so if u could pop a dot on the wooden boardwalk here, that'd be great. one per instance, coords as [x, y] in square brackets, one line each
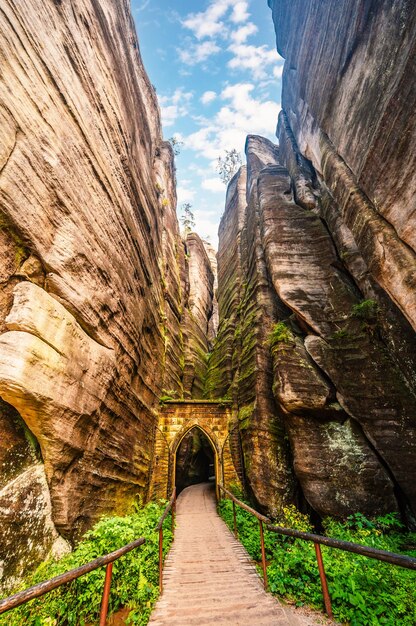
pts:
[208, 577]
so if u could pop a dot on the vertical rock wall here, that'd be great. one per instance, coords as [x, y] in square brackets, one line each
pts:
[95, 287]
[198, 311]
[326, 264]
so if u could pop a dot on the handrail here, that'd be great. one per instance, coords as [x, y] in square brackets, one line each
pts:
[12, 602]
[41, 588]
[171, 506]
[245, 506]
[401, 560]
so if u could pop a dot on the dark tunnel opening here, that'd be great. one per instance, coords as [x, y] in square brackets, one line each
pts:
[195, 460]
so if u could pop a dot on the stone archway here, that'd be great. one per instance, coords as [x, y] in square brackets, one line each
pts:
[196, 460]
[176, 419]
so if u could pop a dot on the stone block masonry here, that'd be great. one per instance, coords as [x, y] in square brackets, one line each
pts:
[177, 418]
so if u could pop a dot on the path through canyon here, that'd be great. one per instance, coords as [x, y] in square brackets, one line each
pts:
[208, 577]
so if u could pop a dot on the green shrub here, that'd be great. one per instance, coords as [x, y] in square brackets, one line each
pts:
[366, 310]
[364, 592]
[280, 333]
[134, 583]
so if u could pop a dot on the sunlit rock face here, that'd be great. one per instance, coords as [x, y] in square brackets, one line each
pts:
[320, 356]
[198, 315]
[349, 100]
[338, 229]
[92, 266]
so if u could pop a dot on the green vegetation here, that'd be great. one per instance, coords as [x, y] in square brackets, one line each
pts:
[134, 583]
[167, 395]
[281, 333]
[341, 335]
[228, 165]
[364, 592]
[366, 310]
[176, 144]
[245, 414]
[187, 220]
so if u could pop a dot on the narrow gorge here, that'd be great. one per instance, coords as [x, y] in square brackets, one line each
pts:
[297, 337]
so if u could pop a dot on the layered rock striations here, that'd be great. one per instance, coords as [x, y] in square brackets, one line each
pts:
[322, 272]
[348, 96]
[95, 286]
[311, 360]
[198, 315]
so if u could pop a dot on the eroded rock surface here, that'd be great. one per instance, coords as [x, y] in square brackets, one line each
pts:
[349, 96]
[28, 531]
[198, 311]
[94, 286]
[316, 361]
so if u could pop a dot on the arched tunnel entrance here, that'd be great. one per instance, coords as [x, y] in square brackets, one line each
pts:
[195, 460]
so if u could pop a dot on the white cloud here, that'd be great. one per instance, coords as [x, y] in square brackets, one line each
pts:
[213, 184]
[243, 33]
[207, 23]
[206, 223]
[253, 58]
[278, 71]
[240, 13]
[185, 193]
[241, 114]
[175, 106]
[211, 23]
[208, 97]
[198, 52]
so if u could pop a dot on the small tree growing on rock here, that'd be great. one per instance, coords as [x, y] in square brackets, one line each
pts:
[187, 218]
[176, 144]
[228, 165]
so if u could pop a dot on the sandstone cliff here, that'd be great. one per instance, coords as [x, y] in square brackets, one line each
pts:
[317, 269]
[95, 286]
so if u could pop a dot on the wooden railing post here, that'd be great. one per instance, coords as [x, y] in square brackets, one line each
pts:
[161, 559]
[324, 583]
[235, 521]
[173, 511]
[263, 555]
[106, 594]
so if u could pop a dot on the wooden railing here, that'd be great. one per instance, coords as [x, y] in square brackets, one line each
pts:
[171, 506]
[41, 589]
[401, 560]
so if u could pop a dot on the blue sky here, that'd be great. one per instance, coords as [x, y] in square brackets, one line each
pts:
[218, 78]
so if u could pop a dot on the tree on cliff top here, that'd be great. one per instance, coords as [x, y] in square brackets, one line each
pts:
[187, 218]
[228, 165]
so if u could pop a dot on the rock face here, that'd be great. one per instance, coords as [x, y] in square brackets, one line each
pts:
[348, 95]
[240, 366]
[312, 359]
[95, 288]
[323, 268]
[198, 315]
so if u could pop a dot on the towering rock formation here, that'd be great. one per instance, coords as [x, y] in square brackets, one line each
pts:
[322, 275]
[94, 287]
[199, 294]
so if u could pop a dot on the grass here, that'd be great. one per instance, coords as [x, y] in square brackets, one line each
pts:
[364, 592]
[135, 581]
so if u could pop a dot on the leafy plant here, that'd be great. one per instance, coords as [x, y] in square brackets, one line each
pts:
[187, 218]
[134, 583]
[228, 165]
[177, 144]
[280, 334]
[341, 335]
[364, 592]
[366, 310]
